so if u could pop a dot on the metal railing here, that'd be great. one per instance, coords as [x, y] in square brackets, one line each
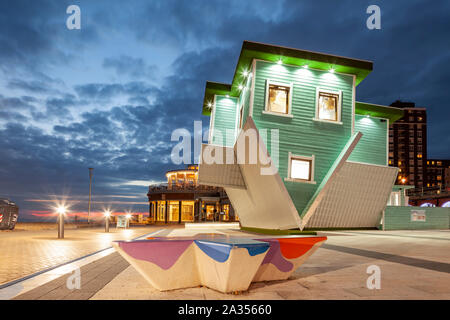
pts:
[165, 187]
[429, 191]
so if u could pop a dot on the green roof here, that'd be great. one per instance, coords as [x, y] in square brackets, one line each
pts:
[296, 57]
[379, 111]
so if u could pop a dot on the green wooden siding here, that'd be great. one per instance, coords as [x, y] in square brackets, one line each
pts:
[372, 148]
[300, 134]
[398, 218]
[245, 96]
[224, 119]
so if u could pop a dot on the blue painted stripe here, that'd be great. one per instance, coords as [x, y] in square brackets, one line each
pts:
[220, 250]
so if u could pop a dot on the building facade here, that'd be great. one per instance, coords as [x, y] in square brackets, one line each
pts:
[182, 199]
[408, 145]
[328, 151]
[438, 173]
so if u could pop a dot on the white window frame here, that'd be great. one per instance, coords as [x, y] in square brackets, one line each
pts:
[339, 106]
[304, 158]
[289, 85]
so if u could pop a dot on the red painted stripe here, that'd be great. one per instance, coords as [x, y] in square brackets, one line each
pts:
[292, 248]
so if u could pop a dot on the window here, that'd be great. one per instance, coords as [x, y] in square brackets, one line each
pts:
[328, 105]
[174, 210]
[187, 211]
[300, 169]
[278, 98]
[161, 213]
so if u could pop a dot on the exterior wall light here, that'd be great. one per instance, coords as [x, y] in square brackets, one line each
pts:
[331, 70]
[279, 62]
[305, 66]
[241, 87]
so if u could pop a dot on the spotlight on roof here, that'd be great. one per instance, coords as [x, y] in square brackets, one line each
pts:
[305, 66]
[279, 62]
[245, 73]
[331, 70]
[241, 87]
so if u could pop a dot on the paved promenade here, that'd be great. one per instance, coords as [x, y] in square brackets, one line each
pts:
[413, 264]
[25, 252]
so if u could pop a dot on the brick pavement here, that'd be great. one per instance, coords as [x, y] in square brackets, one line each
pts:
[26, 252]
[93, 276]
[414, 265]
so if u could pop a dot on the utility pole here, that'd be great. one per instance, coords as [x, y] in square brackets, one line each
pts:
[90, 189]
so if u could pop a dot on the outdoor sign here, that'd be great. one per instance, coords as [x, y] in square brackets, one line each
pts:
[418, 215]
[121, 222]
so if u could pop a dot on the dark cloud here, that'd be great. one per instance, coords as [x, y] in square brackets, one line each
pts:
[129, 66]
[103, 91]
[17, 103]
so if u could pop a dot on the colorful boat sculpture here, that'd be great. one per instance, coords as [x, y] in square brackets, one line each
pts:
[220, 262]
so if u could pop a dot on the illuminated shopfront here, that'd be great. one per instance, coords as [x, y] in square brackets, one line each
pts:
[182, 200]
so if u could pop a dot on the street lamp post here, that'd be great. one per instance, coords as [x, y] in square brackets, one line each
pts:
[107, 215]
[90, 188]
[61, 211]
[128, 216]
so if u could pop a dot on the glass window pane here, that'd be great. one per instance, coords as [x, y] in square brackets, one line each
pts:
[300, 169]
[173, 210]
[278, 99]
[328, 106]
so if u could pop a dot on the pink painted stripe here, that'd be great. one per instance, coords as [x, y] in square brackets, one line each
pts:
[162, 253]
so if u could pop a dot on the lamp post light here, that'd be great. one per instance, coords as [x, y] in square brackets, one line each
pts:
[107, 215]
[61, 212]
[90, 189]
[128, 216]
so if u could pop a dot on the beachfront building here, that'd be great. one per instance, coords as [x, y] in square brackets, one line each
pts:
[329, 152]
[182, 199]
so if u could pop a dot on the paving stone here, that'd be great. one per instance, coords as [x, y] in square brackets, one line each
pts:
[27, 252]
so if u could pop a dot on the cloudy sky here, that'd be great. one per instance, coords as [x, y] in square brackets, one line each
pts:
[109, 95]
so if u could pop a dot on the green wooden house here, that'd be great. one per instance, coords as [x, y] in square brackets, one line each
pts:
[329, 152]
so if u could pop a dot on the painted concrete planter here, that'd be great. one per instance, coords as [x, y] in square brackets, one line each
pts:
[220, 262]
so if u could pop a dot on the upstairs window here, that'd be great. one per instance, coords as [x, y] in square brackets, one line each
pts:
[328, 105]
[278, 98]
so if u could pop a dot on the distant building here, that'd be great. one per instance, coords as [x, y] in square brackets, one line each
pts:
[182, 200]
[438, 173]
[408, 145]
